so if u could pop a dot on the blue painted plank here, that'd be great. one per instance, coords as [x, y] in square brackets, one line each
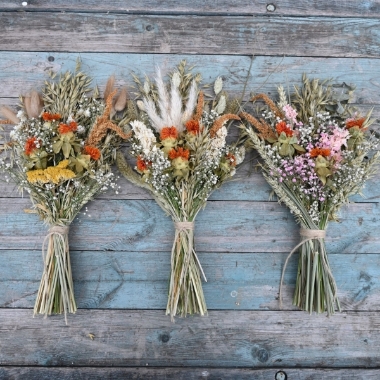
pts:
[224, 226]
[136, 280]
[22, 71]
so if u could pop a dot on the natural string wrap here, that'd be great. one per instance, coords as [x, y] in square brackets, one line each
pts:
[62, 232]
[186, 226]
[307, 235]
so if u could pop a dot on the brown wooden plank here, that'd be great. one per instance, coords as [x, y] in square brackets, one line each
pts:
[173, 373]
[348, 8]
[240, 35]
[223, 338]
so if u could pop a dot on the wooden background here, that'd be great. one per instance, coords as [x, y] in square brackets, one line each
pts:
[120, 249]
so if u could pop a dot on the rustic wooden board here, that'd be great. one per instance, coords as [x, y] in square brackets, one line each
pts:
[240, 35]
[190, 373]
[348, 8]
[228, 226]
[224, 338]
[136, 280]
[22, 71]
[247, 185]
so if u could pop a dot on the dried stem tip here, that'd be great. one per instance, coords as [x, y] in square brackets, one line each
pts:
[103, 123]
[10, 115]
[266, 132]
[199, 109]
[270, 103]
[218, 123]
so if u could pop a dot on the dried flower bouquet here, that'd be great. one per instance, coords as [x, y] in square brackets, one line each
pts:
[179, 143]
[314, 155]
[60, 152]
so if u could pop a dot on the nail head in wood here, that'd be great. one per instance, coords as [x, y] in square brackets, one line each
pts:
[271, 7]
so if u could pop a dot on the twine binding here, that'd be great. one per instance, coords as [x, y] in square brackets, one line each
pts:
[307, 235]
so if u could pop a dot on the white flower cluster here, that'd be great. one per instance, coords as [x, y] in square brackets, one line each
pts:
[144, 135]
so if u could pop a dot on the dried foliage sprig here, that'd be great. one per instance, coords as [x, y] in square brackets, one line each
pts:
[61, 154]
[179, 143]
[314, 162]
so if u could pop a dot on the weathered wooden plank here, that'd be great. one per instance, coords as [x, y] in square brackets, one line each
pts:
[22, 71]
[193, 373]
[227, 226]
[247, 185]
[224, 338]
[136, 280]
[348, 8]
[260, 35]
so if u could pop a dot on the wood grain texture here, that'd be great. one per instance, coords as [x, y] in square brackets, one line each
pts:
[228, 226]
[240, 35]
[22, 71]
[148, 338]
[190, 373]
[348, 8]
[136, 280]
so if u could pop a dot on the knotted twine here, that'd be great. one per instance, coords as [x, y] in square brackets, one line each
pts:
[186, 227]
[308, 235]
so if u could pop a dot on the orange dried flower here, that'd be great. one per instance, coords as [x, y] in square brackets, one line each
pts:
[180, 152]
[282, 127]
[355, 123]
[168, 132]
[231, 158]
[315, 152]
[66, 128]
[141, 164]
[192, 126]
[30, 145]
[92, 151]
[47, 116]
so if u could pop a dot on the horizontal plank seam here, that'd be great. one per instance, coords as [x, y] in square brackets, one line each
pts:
[181, 13]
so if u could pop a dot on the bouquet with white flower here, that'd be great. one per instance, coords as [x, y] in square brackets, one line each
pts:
[60, 152]
[179, 143]
[315, 155]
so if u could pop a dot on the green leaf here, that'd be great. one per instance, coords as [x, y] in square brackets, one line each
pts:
[66, 149]
[57, 146]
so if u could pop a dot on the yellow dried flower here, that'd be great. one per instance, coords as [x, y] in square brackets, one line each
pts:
[53, 174]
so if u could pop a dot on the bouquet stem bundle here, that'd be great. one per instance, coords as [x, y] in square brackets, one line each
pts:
[316, 152]
[61, 153]
[182, 156]
[185, 289]
[56, 291]
[316, 289]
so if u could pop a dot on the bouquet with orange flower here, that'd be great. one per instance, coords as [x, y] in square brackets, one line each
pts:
[60, 153]
[315, 155]
[179, 143]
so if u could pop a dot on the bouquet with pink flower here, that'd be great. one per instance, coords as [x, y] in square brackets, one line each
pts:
[314, 160]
